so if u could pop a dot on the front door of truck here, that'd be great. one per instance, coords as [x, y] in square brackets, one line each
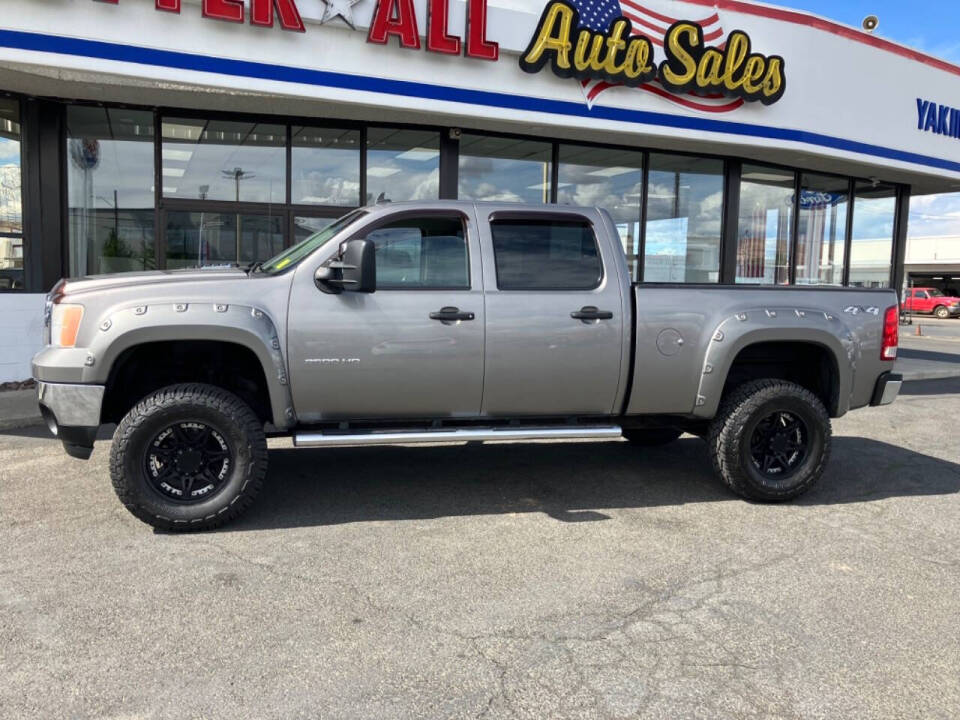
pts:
[920, 302]
[413, 348]
[555, 319]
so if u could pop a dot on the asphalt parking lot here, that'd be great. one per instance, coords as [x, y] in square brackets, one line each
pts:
[539, 580]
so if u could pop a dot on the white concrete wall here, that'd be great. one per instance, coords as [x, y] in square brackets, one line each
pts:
[21, 333]
[933, 249]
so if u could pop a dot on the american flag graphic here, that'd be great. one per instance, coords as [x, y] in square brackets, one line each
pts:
[598, 15]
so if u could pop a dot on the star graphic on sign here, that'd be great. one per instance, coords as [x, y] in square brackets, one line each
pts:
[341, 8]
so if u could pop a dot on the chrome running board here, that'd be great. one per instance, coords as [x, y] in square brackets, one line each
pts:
[340, 439]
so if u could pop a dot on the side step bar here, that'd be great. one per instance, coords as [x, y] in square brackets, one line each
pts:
[339, 439]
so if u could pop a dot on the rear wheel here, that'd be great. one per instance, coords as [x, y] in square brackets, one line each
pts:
[188, 457]
[651, 436]
[770, 440]
[941, 312]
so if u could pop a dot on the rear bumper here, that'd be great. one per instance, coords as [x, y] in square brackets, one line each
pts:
[72, 412]
[887, 389]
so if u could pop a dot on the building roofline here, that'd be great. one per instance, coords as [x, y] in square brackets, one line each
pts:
[802, 17]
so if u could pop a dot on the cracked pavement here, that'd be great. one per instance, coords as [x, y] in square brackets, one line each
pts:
[529, 580]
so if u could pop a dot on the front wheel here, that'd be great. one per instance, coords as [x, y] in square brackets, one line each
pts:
[941, 312]
[188, 457]
[770, 440]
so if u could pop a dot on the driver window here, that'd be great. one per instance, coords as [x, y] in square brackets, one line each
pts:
[422, 253]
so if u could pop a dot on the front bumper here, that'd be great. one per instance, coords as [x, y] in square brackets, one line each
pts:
[887, 389]
[72, 412]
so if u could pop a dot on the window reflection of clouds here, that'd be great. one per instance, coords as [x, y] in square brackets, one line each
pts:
[873, 216]
[199, 155]
[9, 152]
[934, 215]
[684, 219]
[403, 164]
[871, 250]
[504, 169]
[326, 166]
[765, 225]
[611, 179]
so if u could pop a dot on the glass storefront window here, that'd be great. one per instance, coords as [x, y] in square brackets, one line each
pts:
[402, 165]
[110, 172]
[224, 160]
[765, 225]
[504, 169]
[207, 239]
[325, 166]
[824, 204]
[871, 251]
[611, 179]
[11, 198]
[684, 220]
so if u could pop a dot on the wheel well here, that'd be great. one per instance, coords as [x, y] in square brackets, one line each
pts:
[809, 365]
[145, 368]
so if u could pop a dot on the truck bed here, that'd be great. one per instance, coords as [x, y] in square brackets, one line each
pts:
[687, 337]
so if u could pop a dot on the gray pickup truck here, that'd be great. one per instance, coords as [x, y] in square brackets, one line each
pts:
[437, 322]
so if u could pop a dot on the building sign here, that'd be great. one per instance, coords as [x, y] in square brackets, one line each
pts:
[939, 119]
[399, 18]
[601, 43]
[592, 40]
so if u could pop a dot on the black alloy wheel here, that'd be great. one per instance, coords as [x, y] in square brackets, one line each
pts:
[779, 444]
[188, 462]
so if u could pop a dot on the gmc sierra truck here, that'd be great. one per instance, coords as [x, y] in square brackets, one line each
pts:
[438, 322]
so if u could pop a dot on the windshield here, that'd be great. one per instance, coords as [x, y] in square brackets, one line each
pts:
[935, 293]
[291, 256]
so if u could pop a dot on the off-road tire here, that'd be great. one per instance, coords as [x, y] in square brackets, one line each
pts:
[941, 312]
[651, 437]
[213, 406]
[729, 436]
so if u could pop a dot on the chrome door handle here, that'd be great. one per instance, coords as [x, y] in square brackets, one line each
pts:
[589, 312]
[451, 314]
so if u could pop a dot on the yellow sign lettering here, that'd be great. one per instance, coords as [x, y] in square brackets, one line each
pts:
[621, 56]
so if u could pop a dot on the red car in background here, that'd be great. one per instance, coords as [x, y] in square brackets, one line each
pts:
[931, 301]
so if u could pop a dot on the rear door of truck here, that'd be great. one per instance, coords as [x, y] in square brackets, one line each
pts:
[557, 310]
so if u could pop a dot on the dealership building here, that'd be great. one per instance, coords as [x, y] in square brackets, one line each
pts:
[732, 142]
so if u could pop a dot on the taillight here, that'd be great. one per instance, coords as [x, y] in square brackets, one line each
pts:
[891, 333]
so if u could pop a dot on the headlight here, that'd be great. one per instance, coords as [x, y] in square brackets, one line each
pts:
[65, 324]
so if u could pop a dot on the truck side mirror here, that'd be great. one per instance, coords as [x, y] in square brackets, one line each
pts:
[354, 270]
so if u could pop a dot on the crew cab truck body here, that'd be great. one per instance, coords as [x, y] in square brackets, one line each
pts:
[448, 321]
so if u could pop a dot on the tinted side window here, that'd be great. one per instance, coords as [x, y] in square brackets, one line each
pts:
[425, 253]
[546, 255]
